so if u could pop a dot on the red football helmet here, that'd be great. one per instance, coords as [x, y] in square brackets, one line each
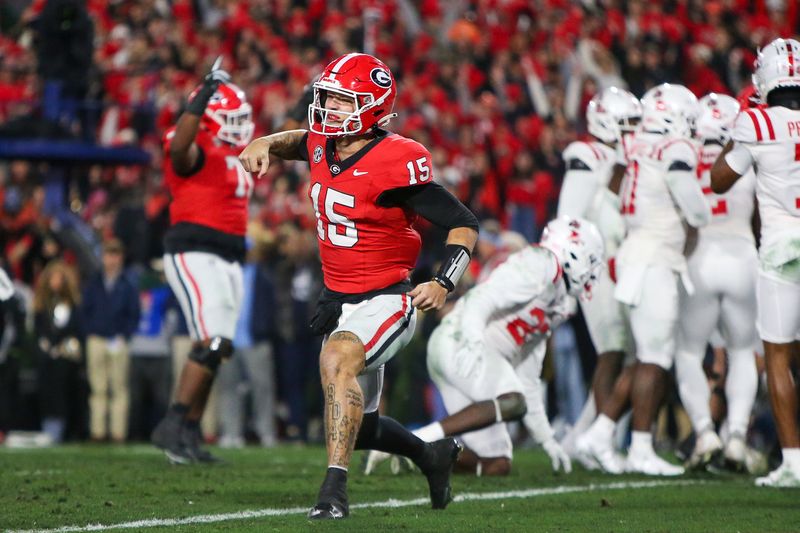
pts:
[228, 116]
[366, 81]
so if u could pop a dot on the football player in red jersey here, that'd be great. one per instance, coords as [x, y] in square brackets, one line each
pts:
[367, 187]
[205, 246]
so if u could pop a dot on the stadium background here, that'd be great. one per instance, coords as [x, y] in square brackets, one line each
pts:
[495, 89]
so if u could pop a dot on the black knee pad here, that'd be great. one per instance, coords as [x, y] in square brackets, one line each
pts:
[368, 432]
[211, 356]
[512, 405]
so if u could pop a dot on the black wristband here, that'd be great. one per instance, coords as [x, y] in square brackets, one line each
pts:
[453, 267]
[197, 105]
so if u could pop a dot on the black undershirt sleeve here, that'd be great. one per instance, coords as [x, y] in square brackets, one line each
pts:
[302, 150]
[432, 202]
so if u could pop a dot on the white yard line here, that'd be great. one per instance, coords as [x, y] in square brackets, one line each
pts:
[391, 503]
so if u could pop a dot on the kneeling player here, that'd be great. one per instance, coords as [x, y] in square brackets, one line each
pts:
[486, 355]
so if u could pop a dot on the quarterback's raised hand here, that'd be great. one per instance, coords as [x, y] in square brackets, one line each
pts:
[558, 457]
[428, 295]
[212, 80]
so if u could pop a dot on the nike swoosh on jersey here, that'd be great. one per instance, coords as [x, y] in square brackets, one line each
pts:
[357, 173]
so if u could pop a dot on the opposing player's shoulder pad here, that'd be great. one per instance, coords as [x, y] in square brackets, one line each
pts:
[581, 156]
[538, 264]
[744, 128]
[409, 163]
[679, 150]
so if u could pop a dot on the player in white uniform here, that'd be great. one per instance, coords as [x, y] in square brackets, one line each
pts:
[723, 270]
[585, 193]
[768, 139]
[659, 193]
[486, 355]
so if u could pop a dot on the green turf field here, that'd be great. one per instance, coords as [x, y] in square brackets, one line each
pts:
[118, 486]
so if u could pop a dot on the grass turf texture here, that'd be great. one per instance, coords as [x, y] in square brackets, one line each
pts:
[81, 485]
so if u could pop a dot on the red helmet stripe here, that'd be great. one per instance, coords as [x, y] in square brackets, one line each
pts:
[791, 58]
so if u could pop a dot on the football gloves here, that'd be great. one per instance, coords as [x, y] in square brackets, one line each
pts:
[212, 80]
[558, 457]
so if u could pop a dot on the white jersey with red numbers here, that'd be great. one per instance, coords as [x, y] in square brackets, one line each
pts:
[585, 193]
[648, 207]
[659, 192]
[769, 140]
[732, 212]
[365, 247]
[492, 343]
[518, 305]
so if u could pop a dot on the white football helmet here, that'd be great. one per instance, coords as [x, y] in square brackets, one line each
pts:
[611, 113]
[717, 114]
[578, 245]
[670, 109]
[776, 66]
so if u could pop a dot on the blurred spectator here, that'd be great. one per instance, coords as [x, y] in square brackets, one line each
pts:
[151, 370]
[60, 356]
[110, 317]
[252, 367]
[298, 281]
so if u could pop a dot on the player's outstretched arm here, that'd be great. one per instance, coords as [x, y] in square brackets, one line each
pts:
[285, 145]
[183, 152]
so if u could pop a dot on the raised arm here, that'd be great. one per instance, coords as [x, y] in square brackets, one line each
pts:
[184, 154]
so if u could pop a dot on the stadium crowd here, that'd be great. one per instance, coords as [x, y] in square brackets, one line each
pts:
[495, 89]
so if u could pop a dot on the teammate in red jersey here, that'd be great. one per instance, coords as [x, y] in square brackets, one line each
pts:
[367, 187]
[205, 246]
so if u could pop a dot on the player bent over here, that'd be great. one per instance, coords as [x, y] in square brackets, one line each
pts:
[486, 355]
[367, 187]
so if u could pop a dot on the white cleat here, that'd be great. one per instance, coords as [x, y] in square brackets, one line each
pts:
[706, 449]
[735, 454]
[783, 476]
[648, 463]
[373, 459]
[594, 451]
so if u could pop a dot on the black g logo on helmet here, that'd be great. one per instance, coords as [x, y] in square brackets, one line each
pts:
[381, 77]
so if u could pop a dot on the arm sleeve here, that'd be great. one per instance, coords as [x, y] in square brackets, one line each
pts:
[529, 372]
[302, 149]
[684, 186]
[432, 202]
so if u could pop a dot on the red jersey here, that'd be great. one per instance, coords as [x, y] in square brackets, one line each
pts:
[216, 195]
[363, 246]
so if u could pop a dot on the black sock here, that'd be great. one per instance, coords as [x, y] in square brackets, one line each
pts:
[178, 410]
[334, 488]
[392, 437]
